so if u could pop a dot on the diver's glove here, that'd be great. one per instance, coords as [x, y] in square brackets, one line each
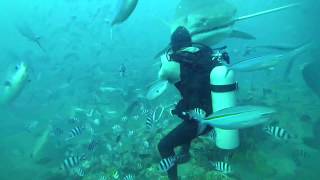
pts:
[182, 115]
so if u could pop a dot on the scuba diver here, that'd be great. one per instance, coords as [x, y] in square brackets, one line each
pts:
[195, 62]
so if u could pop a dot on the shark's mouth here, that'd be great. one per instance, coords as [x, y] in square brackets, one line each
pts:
[202, 31]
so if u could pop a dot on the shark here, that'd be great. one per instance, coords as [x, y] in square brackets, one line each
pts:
[124, 10]
[209, 22]
[25, 30]
[269, 61]
[15, 82]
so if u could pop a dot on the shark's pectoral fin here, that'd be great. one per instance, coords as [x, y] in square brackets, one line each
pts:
[164, 50]
[242, 35]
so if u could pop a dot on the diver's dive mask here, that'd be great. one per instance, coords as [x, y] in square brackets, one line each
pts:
[192, 54]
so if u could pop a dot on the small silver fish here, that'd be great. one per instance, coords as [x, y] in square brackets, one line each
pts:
[157, 89]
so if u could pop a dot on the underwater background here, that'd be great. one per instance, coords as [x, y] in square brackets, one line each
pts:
[85, 73]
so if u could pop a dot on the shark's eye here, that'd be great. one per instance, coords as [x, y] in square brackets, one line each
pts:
[16, 67]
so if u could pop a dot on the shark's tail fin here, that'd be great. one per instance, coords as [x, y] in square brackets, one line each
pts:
[293, 57]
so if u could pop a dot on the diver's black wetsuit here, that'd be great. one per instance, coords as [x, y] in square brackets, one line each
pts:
[195, 90]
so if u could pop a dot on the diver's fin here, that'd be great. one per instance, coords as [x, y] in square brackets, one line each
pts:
[241, 35]
[266, 12]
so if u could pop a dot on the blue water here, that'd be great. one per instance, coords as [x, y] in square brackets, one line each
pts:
[76, 75]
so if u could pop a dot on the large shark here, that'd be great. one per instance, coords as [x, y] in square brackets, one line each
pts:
[210, 22]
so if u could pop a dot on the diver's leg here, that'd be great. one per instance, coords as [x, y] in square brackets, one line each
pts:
[181, 135]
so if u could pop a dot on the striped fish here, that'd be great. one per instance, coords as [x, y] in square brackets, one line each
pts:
[72, 162]
[222, 166]
[102, 177]
[150, 123]
[93, 145]
[129, 177]
[167, 163]
[278, 132]
[74, 132]
[212, 135]
[79, 171]
[74, 120]
[154, 117]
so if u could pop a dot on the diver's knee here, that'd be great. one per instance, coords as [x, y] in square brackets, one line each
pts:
[163, 146]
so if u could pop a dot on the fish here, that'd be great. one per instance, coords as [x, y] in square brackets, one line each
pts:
[74, 132]
[154, 117]
[71, 162]
[236, 117]
[149, 123]
[258, 49]
[30, 126]
[268, 61]
[40, 143]
[124, 10]
[74, 120]
[25, 30]
[157, 89]
[222, 166]
[102, 177]
[14, 84]
[131, 133]
[93, 145]
[115, 174]
[79, 171]
[278, 132]
[167, 163]
[209, 22]
[117, 129]
[311, 76]
[57, 131]
[118, 138]
[129, 177]
[305, 118]
[212, 135]
[122, 70]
